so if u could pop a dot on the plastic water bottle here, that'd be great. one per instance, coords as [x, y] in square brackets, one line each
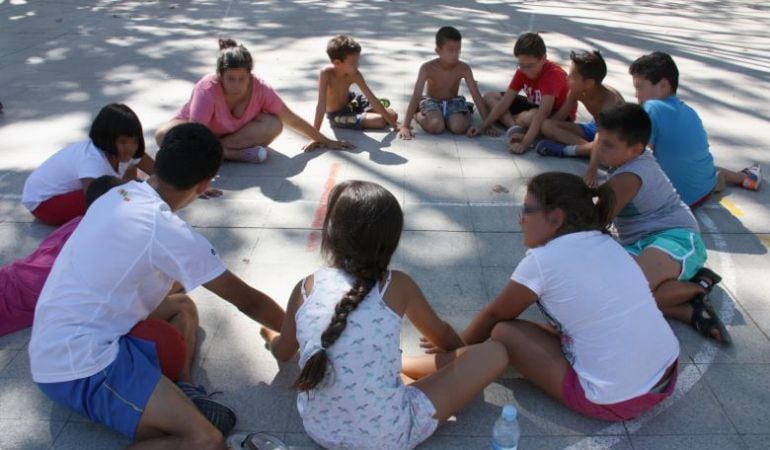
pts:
[505, 434]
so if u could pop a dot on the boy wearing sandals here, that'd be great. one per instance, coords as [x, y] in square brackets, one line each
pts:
[654, 224]
[679, 141]
[443, 108]
[114, 272]
[344, 109]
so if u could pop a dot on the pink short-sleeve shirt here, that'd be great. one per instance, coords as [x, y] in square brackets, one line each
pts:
[207, 105]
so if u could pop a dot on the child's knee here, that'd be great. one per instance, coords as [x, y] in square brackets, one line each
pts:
[434, 124]
[548, 127]
[393, 114]
[185, 306]
[458, 123]
[275, 126]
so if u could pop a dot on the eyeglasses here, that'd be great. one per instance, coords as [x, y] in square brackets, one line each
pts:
[529, 66]
[529, 209]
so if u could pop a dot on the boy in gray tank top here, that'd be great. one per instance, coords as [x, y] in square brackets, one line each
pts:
[653, 223]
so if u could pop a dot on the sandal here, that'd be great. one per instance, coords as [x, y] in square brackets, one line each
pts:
[705, 319]
[706, 278]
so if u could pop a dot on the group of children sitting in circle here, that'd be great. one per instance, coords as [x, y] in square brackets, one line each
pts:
[114, 331]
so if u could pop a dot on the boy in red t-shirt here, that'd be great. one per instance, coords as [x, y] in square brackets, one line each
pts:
[545, 86]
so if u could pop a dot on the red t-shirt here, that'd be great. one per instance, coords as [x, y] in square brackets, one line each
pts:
[552, 81]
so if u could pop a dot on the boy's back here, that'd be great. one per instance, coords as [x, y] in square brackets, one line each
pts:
[681, 147]
[113, 271]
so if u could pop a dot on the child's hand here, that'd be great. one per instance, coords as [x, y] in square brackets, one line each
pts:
[405, 132]
[268, 335]
[590, 177]
[330, 144]
[429, 347]
[517, 148]
[211, 193]
[473, 131]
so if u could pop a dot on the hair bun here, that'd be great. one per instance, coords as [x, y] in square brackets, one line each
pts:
[227, 43]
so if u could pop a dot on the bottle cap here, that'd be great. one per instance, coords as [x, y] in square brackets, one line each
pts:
[509, 413]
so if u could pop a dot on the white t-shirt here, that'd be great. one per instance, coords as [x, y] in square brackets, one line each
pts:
[114, 271]
[62, 172]
[595, 294]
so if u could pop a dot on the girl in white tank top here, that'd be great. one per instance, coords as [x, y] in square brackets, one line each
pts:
[345, 321]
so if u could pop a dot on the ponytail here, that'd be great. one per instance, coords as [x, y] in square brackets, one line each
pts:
[584, 208]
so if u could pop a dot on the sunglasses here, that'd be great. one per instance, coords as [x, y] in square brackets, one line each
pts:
[529, 209]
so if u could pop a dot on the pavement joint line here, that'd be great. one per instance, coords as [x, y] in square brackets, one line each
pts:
[690, 375]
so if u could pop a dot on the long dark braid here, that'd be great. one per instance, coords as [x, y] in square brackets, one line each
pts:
[361, 232]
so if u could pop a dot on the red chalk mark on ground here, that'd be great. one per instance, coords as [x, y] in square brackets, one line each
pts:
[320, 213]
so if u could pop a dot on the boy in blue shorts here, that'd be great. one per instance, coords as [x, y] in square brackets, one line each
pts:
[114, 272]
[545, 91]
[344, 109]
[679, 140]
[653, 223]
[566, 138]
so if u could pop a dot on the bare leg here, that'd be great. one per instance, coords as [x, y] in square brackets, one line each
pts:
[374, 121]
[662, 272]
[455, 384]
[170, 421]
[179, 310]
[163, 129]
[458, 123]
[731, 178]
[562, 131]
[524, 119]
[260, 131]
[432, 122]
[492, 99]
[535, 353]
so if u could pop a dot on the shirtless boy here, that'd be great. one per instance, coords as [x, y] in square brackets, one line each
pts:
[443, 108]
[344, 108]
[565, 138]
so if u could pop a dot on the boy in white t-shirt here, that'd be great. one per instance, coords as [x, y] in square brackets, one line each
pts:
[116, 271]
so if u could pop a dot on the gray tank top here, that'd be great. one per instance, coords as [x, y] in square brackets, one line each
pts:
[656, 207]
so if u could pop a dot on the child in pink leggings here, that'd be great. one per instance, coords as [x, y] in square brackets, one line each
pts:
[22, 280]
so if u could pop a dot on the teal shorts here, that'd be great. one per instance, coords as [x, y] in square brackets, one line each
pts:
[680, 244]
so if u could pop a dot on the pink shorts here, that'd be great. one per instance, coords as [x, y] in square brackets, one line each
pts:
[62, 208]
[575, 399]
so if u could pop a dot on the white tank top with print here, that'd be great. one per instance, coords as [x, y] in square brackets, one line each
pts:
[362, 397]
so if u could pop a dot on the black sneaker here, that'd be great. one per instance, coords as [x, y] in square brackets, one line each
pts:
[222, 417]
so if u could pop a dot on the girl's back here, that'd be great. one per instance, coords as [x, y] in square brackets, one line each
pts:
[363, 386]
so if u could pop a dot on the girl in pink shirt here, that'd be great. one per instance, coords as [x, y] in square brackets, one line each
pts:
[243, 111]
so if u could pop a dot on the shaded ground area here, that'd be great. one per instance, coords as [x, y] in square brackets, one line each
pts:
[61, 60]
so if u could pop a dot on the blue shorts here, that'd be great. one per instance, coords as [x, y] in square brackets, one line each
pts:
[447, 107]
[681, 245]
[589, 130]
[117, 395]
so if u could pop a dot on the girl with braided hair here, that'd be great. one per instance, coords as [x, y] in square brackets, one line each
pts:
[345, 321]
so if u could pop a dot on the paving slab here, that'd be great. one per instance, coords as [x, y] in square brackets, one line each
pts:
[61, 60]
